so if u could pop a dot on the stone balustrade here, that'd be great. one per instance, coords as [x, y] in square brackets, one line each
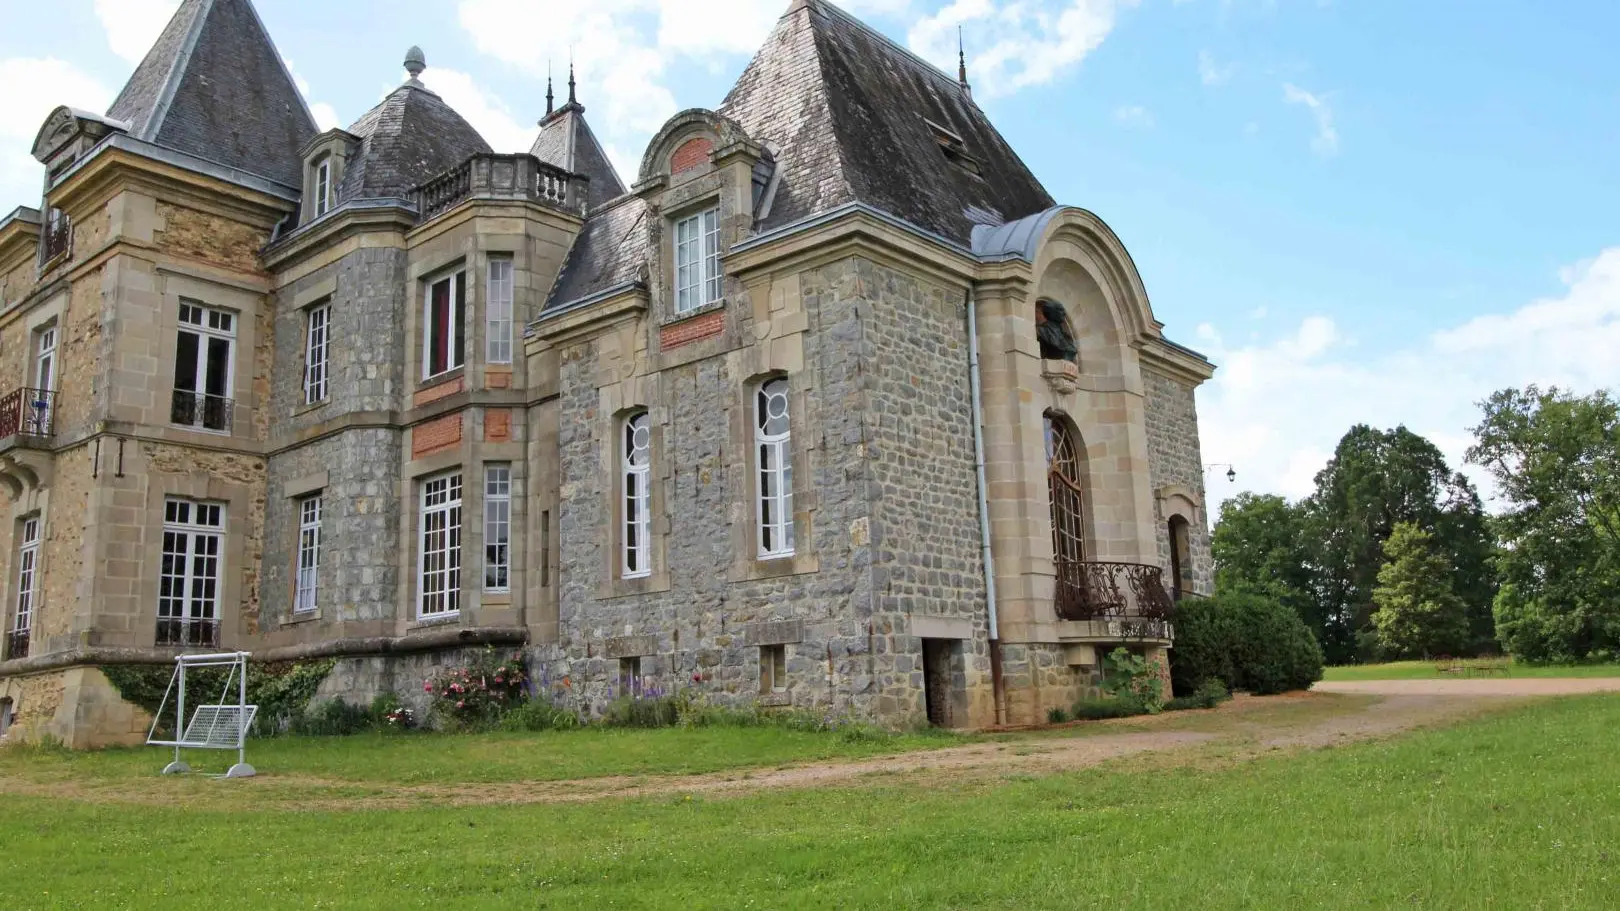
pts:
[492, 176]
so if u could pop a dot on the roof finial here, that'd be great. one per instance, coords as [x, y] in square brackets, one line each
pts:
[961, 64]
[415, 63]
[571, 98]
[548, 89]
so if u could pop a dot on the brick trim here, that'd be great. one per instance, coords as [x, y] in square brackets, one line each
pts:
[441, 391]
[436, 435]
[699, 327]
[692, 154]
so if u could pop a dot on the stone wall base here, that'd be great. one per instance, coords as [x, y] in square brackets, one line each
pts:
[77, 707]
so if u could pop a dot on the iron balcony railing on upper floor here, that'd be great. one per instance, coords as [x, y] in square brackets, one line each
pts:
[196, 409]
[179, 631]
[57, 237]
[494, 176]
[17, 644]
[28, 412]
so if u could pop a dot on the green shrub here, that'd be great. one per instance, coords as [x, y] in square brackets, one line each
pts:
[1130, 677]
[281, 690]
[475, 697]
[1208, 696]
[538, 714]
[634, 711]
[1247, 642]
[1098, 709]
[1056, 715]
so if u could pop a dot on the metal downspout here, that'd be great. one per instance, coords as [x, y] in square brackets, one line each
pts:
[984, 502]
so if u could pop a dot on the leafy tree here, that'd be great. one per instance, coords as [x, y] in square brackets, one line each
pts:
[1376, 480]
[1418, 613]
[1261, 547]
[1555, 458]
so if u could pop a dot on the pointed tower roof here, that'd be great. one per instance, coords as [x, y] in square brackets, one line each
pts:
[856, 117]
[214, 86]
[410, 137]
[567, 141]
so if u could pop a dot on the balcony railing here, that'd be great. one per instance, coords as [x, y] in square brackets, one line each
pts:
[1111, 591]
[17, 644]
[57, 238]
[491, 176]
[196, 409]
[28, 412]
[203, 633]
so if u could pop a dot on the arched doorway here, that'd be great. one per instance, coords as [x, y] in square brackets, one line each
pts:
[1180, 558]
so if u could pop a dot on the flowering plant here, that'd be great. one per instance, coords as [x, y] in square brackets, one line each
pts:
[479, 693]
[401, 718]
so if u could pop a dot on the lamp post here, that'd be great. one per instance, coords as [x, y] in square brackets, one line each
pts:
[1231, 473]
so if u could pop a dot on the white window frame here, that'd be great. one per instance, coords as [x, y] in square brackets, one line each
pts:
[317, 348]
[458, 318]
[698, 280]
[323, 187]
[498, 527]
[635, 469]
[773, 470]
[206, 323]
[438, 589]
[307, 584]
[27, 577]
[498, 304]
[191, 592]
[45, 338]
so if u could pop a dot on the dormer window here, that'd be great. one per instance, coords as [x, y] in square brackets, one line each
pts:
[697, 261]
[954, 147]
[323, 187]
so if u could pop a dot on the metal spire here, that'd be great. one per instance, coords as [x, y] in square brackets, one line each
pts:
[571, 98]
[548, 89]
[961, 64]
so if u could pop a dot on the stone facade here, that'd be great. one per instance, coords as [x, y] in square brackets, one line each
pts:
[490, 331]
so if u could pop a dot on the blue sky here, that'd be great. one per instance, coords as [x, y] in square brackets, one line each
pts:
[1368, 211]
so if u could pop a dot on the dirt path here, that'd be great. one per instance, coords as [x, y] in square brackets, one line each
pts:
[1477, 686]
[1239, 730]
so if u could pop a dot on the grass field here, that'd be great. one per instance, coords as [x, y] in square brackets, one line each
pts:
[1519, 810]
[1425, 670]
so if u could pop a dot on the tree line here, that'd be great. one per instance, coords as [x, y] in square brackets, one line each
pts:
[1394, 556]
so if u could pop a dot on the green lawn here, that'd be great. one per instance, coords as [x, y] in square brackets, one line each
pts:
[1519, 810]
[1423, 670]
[550, 756]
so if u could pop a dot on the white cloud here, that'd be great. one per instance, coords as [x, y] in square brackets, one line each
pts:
[1212, 73]
[37, 87]
[489, 115]
[326, 116]
[1133, 115]
[133, 26]
[1327, 135]
[1014, 44]
[1277, 409]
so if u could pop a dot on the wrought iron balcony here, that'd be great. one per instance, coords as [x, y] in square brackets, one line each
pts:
[17, 644]
[57, 237]
[490, 176]
[1111, 591]
[173, 631]
[28, 412]
[196, 409]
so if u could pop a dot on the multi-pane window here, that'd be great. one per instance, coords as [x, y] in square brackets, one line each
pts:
[772, 668]
[27, 589]
[697, 261]
[323, 187]
[45, 358]
[440, 591]
[306, 596]
[316, 336]
[773, 446]
[189, 578]
[202, 367]
[444, 330]
[635, 461]
[498, 313]
[497, 528]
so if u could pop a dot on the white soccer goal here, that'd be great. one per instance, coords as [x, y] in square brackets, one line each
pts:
[220, 725]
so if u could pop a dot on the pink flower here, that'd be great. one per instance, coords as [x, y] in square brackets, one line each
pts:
[427, 687]
[461, 705]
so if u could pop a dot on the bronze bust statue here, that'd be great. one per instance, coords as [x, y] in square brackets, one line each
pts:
[1052, 329]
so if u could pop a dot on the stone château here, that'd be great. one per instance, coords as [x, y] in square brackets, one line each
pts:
[831, 406]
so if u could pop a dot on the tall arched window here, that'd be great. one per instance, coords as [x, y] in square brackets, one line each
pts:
[635, 461]
[772, 443]
[1180, 558]
[1065, 481]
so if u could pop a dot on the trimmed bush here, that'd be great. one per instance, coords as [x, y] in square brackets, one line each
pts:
[1099, 709]
[1056, 715]
[1208, 696]
[1245, 641]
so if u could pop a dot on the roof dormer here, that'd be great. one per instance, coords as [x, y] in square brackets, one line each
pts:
[67, 135]
[326, 157]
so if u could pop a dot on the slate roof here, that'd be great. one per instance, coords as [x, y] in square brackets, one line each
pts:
[409, 138]
[848, 112]
[214, 86]
[611, 250]
[568, 142]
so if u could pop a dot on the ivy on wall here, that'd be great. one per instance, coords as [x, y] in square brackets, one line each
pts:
[281, 690]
